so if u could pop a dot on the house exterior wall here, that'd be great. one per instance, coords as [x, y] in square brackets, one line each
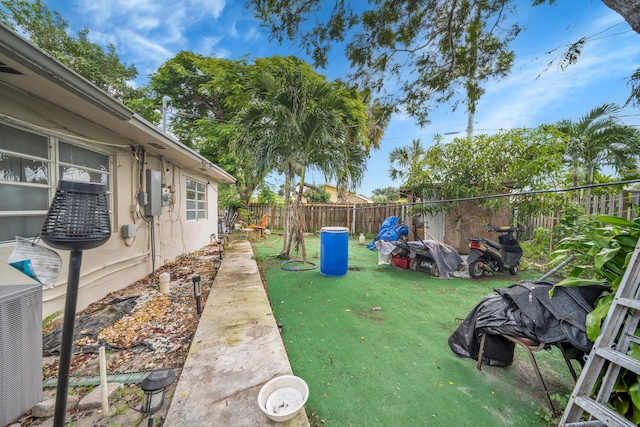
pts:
[120, 262]
[353, 197]
[56, 125]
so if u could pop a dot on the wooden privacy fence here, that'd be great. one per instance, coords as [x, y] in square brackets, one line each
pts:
[358, 218]
[367, 217]
[620, 205]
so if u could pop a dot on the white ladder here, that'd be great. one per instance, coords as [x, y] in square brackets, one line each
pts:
[609, 354]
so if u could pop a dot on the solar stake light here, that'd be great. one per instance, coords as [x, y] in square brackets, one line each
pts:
[78, 219]
[221, 247]
[197, 291]
[154, 387]
[216, 263]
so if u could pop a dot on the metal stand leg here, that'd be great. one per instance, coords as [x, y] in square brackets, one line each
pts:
[481, 352]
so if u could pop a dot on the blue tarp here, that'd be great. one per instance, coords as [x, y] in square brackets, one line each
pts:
[390, 230]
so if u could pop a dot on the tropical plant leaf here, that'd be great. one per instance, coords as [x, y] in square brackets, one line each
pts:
[621, 403]
[634, 349]
[604, 256]
[626, 240]
[600, 241]
[634, 392]
[620, 222]
[634, 415]
[574, 281]
[594, 318]
[577, 271]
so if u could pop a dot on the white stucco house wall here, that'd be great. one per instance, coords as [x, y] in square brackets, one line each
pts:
[55, 125]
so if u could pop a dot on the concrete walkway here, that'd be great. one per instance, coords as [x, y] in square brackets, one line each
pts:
[236, 349]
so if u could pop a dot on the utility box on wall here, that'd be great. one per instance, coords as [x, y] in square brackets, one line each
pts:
[20, 350]
[154, 193]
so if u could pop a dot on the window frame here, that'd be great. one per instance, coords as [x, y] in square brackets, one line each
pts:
[53, 171]
[200, 209]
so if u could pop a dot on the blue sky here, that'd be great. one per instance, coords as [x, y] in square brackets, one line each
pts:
[148, 32]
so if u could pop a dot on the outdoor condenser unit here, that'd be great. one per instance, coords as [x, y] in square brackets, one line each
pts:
[20, 350]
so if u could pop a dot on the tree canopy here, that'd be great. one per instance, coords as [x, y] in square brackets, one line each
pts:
[419, 51]
[598, 140]
[301, 122]
[387, 194]
[48, 31]
[513, 160]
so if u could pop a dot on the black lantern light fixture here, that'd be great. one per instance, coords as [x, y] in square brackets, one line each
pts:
[78, 219]
[216, 263]
[154, 387]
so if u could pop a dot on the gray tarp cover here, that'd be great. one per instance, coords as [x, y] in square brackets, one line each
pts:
[526, 310]
[447, 259]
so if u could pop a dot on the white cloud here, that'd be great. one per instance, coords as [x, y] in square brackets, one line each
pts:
[149, 32]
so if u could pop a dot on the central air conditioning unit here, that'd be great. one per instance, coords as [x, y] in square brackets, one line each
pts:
[20, 350]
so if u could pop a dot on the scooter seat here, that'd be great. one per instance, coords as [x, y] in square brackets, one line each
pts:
[493, 244]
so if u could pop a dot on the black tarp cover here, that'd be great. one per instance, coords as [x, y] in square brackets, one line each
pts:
[526, 310]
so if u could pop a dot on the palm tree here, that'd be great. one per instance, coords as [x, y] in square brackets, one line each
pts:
[296, 122]
[598, 140]
[407, 158]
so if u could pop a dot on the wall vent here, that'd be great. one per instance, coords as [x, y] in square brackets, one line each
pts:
[20, 350]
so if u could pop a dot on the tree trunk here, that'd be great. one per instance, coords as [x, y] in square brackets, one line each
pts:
[629, 9]
[286, 221]
[298, 235]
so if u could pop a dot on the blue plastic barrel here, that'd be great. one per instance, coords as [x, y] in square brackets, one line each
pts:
[334, 251]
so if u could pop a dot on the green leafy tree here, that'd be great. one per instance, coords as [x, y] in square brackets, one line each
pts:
[48, 31]
[206, 94]
[268, 196]
[487, 165]
[318, 195]
[430, 50]
[387, 194]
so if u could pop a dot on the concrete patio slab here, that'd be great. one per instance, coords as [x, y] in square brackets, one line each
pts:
[236, 349]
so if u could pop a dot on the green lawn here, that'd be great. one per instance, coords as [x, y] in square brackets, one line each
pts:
[373, 346]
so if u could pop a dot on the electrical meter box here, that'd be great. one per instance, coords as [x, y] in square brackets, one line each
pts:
[154, 193]
[167, 196]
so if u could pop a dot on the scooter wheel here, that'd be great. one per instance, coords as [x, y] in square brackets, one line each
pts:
[476, 270]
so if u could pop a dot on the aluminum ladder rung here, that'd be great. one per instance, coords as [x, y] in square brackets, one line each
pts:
[619, 359]
[630, 303]
[618, 330]
[609, 417]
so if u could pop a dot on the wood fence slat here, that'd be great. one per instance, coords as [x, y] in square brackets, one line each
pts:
[367, 218]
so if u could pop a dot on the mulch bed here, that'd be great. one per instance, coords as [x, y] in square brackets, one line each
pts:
[141, 328]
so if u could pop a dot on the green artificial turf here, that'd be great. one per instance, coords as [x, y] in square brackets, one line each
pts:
[372, 346]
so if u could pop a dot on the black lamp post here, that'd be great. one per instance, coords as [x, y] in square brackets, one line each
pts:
[78, 219]
[221, 247]
[154, 387]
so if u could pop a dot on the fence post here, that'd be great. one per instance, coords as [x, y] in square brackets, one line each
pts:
[353, 220]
